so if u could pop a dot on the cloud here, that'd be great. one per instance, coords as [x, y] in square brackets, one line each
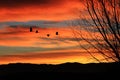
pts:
[39, 3]
[41, 23]
[66, 40]
[7, 50]
[20, 36]
[13, 30]
[24, 3]
[17, 10]
[52, 55]
[47, 23]
[11, 38]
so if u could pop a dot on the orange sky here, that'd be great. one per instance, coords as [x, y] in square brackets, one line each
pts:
[39, 10]
[17, 44]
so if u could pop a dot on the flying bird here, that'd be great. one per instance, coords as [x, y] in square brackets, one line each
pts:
[56, 33]
[36, 31]
[48, 35]
[31, 29]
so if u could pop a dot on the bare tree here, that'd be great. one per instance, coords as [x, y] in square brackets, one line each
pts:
[103, 28]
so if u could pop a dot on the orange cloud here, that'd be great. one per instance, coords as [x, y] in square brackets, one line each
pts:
[41, 10]
[30, 47]
[55, 57]
[22, 37]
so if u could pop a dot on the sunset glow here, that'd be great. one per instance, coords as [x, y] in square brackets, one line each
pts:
[18, 44]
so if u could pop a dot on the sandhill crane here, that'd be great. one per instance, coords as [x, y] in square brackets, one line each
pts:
[48, 35]
[36, 31]
[57, 33]
[31, 29]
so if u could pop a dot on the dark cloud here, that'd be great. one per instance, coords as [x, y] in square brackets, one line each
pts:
[6, 50]
[45, 55]
[45, 23]
[22, 3]
[40, 23]
[62, 39]
[14, 30]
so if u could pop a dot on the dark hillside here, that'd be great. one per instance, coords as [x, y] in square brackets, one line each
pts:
[69, 70]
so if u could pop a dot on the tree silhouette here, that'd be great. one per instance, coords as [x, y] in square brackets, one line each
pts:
[103, 27]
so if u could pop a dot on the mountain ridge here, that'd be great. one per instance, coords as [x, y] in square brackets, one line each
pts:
[60, 71]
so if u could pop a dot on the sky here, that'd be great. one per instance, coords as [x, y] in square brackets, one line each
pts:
[29, 10]
[18, 44]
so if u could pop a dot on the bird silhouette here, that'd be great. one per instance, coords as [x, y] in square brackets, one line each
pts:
[48, 35]
[56, 33]
[36, 31]
[31, 29]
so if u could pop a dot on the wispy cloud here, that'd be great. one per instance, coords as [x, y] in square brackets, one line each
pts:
[27, 10]
[42, 23]
[47, 23]
[7, 50]
[40, 3]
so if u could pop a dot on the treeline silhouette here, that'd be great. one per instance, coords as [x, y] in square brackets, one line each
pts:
[69, 70]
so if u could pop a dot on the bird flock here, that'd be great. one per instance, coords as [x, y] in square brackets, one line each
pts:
[48, 35]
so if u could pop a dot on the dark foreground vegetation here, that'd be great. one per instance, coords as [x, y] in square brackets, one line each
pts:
[59, 72]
